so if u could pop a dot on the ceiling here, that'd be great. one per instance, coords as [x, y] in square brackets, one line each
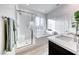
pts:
[42, 8]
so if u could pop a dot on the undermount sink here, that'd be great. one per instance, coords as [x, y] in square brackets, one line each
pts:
[65, 38]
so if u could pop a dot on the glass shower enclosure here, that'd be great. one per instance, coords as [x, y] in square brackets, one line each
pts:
[24, 29]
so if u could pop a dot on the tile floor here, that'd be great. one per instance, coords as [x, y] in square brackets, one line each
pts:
[39, 48]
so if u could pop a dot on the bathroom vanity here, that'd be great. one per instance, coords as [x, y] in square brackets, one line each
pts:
[55, 49]
[61, 45]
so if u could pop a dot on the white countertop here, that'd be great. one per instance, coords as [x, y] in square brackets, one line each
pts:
[68, 45]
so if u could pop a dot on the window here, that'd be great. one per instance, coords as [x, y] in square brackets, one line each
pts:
[37, 21]
[51, 24]
[40, 23]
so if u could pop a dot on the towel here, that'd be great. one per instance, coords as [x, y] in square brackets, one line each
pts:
[7, 38]
[9, 34]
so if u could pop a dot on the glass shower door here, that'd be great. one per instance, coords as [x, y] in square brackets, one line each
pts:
[23, 30]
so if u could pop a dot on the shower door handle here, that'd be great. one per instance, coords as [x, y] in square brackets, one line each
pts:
[31, 36]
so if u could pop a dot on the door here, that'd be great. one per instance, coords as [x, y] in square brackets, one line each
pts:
[24, 31]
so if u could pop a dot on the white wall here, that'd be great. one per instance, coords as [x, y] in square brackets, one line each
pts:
[1, 35]
[8, 11]
[63, 16]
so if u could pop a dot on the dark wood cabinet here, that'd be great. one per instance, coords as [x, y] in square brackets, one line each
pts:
[55, 49]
